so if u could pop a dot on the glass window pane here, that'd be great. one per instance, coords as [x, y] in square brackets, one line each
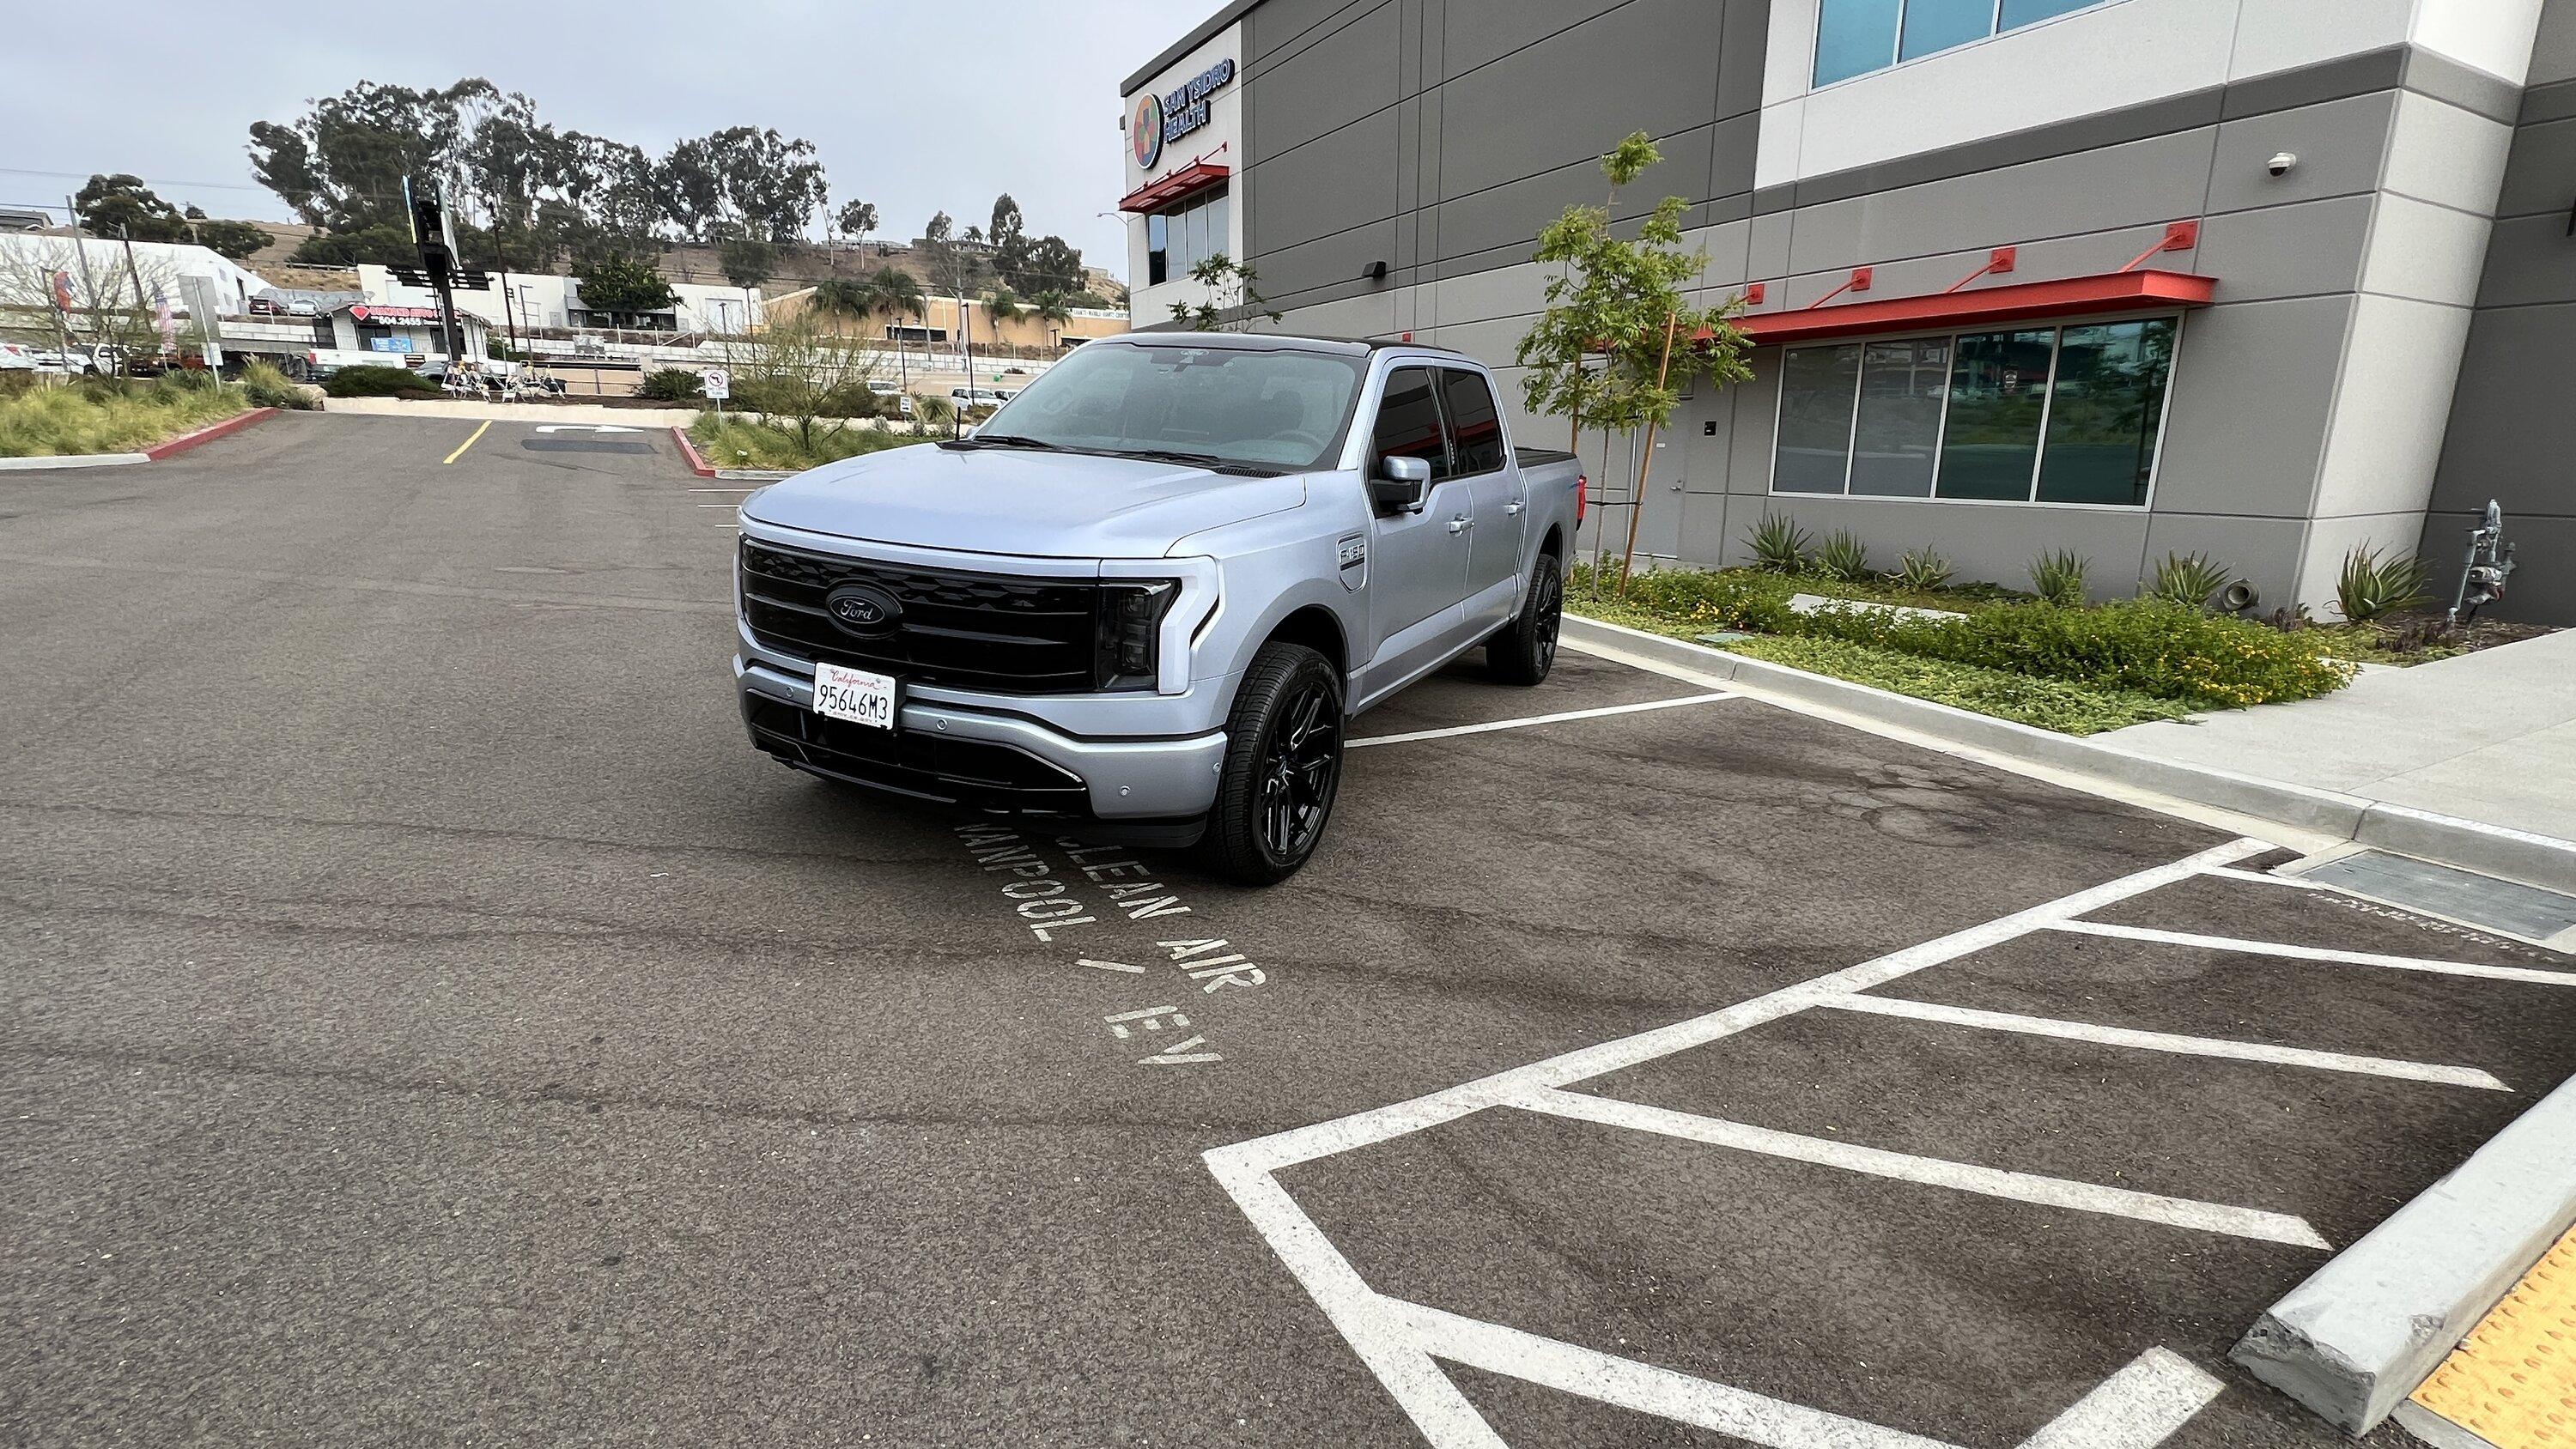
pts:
[1900, 417]
[1157, 249]
[1408, 420]
[1932, 25]
[2110, 396]
[1815, 418]
[1475, 429]
[2023, 12]
[1854, 37]
[1221, 225]
[1998, 388]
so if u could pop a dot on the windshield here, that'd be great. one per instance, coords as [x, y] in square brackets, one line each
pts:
[1282, 410]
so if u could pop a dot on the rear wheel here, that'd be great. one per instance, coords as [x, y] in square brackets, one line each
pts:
[1525, 650]
[1283, 766]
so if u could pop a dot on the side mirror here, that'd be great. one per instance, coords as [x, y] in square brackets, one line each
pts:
[1402, 483]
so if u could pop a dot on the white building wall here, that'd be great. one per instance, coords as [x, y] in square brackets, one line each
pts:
[543, 299]
[158, 262]
[1219, 141]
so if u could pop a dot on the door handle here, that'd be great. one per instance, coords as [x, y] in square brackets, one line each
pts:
[1512, 507]
[1461, 523]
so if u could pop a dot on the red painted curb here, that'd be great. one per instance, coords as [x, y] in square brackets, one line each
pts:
[689, 450]
[185, 441]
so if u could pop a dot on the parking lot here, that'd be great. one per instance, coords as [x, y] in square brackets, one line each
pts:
[429, 1021]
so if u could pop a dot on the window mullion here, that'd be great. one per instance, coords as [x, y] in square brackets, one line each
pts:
[2047, 405]
[1949, 385]
[1851, 438]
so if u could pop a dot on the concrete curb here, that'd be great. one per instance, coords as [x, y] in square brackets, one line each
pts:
[689, 452]
[72, 460]
[205, 435]
[2364, 1330]
[153, 454]
[2538, 860]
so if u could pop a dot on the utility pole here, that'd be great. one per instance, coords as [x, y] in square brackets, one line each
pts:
[133, 275]
[89, 284]
[966, 339]
[509, 313]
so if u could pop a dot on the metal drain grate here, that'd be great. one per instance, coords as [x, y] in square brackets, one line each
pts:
[2440, 890]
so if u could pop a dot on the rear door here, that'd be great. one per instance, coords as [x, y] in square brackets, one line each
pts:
[1483, 465]
[1418, 561]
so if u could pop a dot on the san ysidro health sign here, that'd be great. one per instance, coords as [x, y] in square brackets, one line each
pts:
[1160, 120]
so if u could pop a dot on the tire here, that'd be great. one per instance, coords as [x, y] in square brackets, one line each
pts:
[1525, 650]
[1283, 766]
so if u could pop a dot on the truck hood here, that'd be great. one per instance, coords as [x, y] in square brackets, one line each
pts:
[1013, 501]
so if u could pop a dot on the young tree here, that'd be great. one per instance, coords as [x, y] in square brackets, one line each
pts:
[1001, 305]
[122, 206]
[1230, 290]
[939, 228]
[1618, 341]
[855, 220]
[747, 259]
[799, 375]
[620, 283]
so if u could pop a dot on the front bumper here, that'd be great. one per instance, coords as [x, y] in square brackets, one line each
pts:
[951, 754]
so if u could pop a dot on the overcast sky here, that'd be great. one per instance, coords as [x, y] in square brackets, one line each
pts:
[916, 105]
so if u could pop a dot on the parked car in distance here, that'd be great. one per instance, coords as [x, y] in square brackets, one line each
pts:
[1025, 621]
[966, 398]
[883, 388]
[15, 358]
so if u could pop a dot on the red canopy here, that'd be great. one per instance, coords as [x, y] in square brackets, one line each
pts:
[2022, 301]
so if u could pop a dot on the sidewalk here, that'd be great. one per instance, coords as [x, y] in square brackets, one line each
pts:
[647, 419]
[2489, 737]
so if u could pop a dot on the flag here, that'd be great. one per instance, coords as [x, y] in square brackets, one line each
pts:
[63, 290]
[162, 319]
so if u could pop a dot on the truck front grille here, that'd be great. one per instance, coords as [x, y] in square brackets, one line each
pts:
[975, 631]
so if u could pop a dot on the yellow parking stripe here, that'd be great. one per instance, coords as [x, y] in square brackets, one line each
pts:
[469, 442]
[2514, 1380]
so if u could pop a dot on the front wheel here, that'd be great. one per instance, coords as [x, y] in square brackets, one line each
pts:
[1525, 650]
[1283, 766]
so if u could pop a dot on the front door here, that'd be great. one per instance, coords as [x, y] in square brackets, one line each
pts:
[1418, 561]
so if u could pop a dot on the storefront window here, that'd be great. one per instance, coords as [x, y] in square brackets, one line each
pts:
[1854, 37]
[1816, 390]
[2108, 402]
[1181, 238]
[2023, 415]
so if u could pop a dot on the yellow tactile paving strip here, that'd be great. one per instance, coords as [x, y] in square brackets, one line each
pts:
[2514, 1381]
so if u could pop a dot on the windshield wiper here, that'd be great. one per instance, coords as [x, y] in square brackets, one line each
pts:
[1002, 440]
[1209, 461]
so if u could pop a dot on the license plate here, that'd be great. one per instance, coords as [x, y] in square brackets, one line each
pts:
[854, 695]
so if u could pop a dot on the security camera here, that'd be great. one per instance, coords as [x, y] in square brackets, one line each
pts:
[2281, 163]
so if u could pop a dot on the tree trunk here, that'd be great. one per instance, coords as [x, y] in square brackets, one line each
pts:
[1646, 465]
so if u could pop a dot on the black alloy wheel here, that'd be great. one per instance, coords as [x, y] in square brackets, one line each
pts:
[1283, 766]
[1301, 769]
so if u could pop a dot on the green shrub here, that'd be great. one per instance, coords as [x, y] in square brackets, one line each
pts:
[671, 384]
[266, 387]
[1727, 599]
[2051, 704]
[379, 382]
[739, 442]
[1843, 557]
[2059, 578]
[2187, 581]
[2373, 584]
[1921, 569]
[1778, 544]
[2146, 645]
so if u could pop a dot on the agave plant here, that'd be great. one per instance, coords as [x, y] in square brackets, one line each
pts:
[2374, 583]
[2188, 581]
[1843, 557]
[1778, 544]
[1921, 569]
[2059, 577]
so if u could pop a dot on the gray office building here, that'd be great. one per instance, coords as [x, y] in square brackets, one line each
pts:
[2265, 280]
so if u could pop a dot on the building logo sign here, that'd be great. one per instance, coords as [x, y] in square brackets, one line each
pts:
[378, 312]
[1185, 107]
[1145, 130]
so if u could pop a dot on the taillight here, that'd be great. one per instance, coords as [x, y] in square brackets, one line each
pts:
[1582, 497]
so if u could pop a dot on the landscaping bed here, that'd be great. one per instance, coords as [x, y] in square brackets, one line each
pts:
[740, 442]
[90, 418]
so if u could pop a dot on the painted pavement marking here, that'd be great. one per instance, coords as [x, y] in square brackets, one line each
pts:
[2158, 1041]
[470, 441]
[2262, 877]
[2134, 1409]
[2316, 953]
[1536, 719]
[2056, 1192]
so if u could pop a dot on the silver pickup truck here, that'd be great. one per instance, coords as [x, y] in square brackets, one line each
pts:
[1143, 601]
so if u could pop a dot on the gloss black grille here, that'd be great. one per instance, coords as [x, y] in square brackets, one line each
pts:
[973, 630]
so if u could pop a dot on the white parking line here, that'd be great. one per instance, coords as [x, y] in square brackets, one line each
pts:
[1536, 719]
[2316, 953]
[736, 506]
[2134, 1409]
[2158, 1041]
[2055, 1192]
[2262, 877]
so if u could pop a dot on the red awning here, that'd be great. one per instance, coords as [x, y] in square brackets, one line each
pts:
[2022, 301]
[1155, 195]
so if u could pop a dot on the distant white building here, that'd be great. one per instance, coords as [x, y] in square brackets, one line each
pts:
[543, 300]
[234, 283]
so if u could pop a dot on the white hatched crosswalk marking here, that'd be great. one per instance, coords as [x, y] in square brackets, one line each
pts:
[2316, 953]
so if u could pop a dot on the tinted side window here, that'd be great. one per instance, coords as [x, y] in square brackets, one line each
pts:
[1408, 420]
[1475, 429]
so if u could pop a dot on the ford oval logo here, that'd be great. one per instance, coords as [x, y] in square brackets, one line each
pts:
[863, 609]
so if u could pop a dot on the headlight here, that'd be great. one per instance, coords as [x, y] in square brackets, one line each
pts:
[1130, 615]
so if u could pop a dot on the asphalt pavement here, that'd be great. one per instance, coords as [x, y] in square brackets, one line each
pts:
[429, 1021]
